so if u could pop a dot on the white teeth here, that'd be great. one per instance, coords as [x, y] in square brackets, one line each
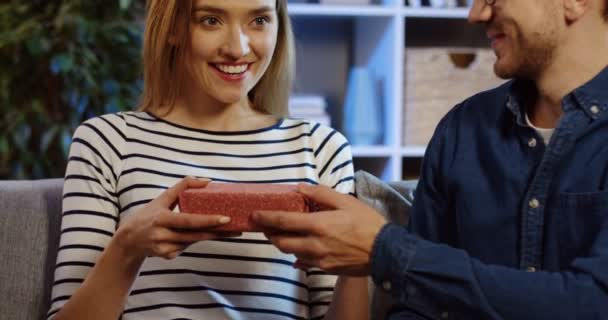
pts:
[232, 69]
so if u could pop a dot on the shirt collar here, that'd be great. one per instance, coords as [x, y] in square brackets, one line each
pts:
[591, 97]
[519, 92]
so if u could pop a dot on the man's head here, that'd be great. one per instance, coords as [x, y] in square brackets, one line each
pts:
[527, 36]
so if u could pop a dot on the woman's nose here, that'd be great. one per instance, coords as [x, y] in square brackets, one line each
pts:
[237, 44]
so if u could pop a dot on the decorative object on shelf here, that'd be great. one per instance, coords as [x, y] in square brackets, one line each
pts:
[346, 2]
[438, 3]
[451, 3]
[465, 3]
[436, 79]
[309, 107]
[414, 3]
[362, 114]
[462, 60]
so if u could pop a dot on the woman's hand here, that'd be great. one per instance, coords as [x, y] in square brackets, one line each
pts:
[156, 231]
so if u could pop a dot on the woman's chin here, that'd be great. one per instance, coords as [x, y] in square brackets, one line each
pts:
[231, 99]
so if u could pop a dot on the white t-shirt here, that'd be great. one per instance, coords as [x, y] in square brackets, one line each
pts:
[545, 133]
[119, 162]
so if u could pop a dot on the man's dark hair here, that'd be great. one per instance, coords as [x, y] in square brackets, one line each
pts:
[606, 9]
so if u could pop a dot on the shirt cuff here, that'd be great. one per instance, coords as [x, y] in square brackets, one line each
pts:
[392, 253]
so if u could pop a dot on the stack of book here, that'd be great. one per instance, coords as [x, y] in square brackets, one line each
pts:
[309, 107]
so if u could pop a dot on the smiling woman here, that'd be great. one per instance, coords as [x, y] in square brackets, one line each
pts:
[188, 33]
[217, 76]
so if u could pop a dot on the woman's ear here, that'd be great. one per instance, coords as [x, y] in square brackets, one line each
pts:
[575, 9]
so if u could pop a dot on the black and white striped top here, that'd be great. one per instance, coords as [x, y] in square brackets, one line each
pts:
[119, 162]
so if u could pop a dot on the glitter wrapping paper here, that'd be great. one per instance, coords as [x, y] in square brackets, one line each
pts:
[239, 200]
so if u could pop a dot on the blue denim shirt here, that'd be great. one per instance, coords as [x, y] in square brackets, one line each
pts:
[502, 226]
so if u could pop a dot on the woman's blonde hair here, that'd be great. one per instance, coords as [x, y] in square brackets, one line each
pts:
[166, 41]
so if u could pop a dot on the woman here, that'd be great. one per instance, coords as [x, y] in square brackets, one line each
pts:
[217, 76]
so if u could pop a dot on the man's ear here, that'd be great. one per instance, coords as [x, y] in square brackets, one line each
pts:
[575, 9]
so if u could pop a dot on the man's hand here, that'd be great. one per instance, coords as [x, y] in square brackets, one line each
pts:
[338, 240]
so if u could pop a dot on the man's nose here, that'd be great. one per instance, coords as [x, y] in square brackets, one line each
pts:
[480, 12]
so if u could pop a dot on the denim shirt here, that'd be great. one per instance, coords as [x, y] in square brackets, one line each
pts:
[502, 226]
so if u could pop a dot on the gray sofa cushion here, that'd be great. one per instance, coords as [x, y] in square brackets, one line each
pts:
[393, 201]
[29, 234]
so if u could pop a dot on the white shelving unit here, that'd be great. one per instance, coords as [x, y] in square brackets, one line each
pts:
[330, 39]
[374, 10]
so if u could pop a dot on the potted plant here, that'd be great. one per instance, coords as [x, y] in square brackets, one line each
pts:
[61, 63]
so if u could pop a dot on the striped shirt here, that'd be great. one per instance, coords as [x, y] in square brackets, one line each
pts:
[119, 162]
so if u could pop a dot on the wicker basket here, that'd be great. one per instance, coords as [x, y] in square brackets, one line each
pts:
[436, 79]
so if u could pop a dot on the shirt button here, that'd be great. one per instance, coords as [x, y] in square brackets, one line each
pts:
[387, 285]
[532, 143]
[533, 203]
[595, 109]
[444, 315]
[531, 269]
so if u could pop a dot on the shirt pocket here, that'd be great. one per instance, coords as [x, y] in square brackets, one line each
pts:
[580, 217]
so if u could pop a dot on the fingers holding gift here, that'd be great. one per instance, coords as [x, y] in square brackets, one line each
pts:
[285, 222]
[310, 251]
[169, 197]
[189, 221]
[163, 235]
[325, 197]
[168, 250]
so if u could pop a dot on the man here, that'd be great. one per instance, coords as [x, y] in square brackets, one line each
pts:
[510, 219]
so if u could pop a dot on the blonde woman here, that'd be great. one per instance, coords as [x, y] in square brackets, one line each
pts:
[217, 75]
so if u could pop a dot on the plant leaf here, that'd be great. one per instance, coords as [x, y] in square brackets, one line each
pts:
[61, 63]
[47, 138]
[66, 141]
[22, 135]
[125, 4]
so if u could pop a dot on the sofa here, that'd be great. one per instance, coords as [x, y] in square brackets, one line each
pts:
[30, 221]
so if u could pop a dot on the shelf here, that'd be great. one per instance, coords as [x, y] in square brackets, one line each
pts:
[456, 13]
[331, 40]
[296, 9]
[372, 151]
[413, 151]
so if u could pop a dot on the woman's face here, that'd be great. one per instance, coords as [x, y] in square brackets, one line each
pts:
[232, 43]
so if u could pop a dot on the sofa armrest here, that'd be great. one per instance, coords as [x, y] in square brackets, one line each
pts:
[30, 222]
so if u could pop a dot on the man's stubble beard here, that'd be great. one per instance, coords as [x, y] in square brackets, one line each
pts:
[530, 55]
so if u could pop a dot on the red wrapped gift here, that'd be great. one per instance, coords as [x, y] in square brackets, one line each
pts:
[239, 200]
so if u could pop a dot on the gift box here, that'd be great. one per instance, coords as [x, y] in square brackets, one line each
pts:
[239, 200]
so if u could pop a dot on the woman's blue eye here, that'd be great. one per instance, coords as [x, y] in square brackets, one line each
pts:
[261, 20]
[211, 21]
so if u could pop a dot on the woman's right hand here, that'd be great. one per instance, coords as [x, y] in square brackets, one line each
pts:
[156, 231]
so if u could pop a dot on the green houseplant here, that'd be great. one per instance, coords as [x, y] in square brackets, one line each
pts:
[62, 62]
